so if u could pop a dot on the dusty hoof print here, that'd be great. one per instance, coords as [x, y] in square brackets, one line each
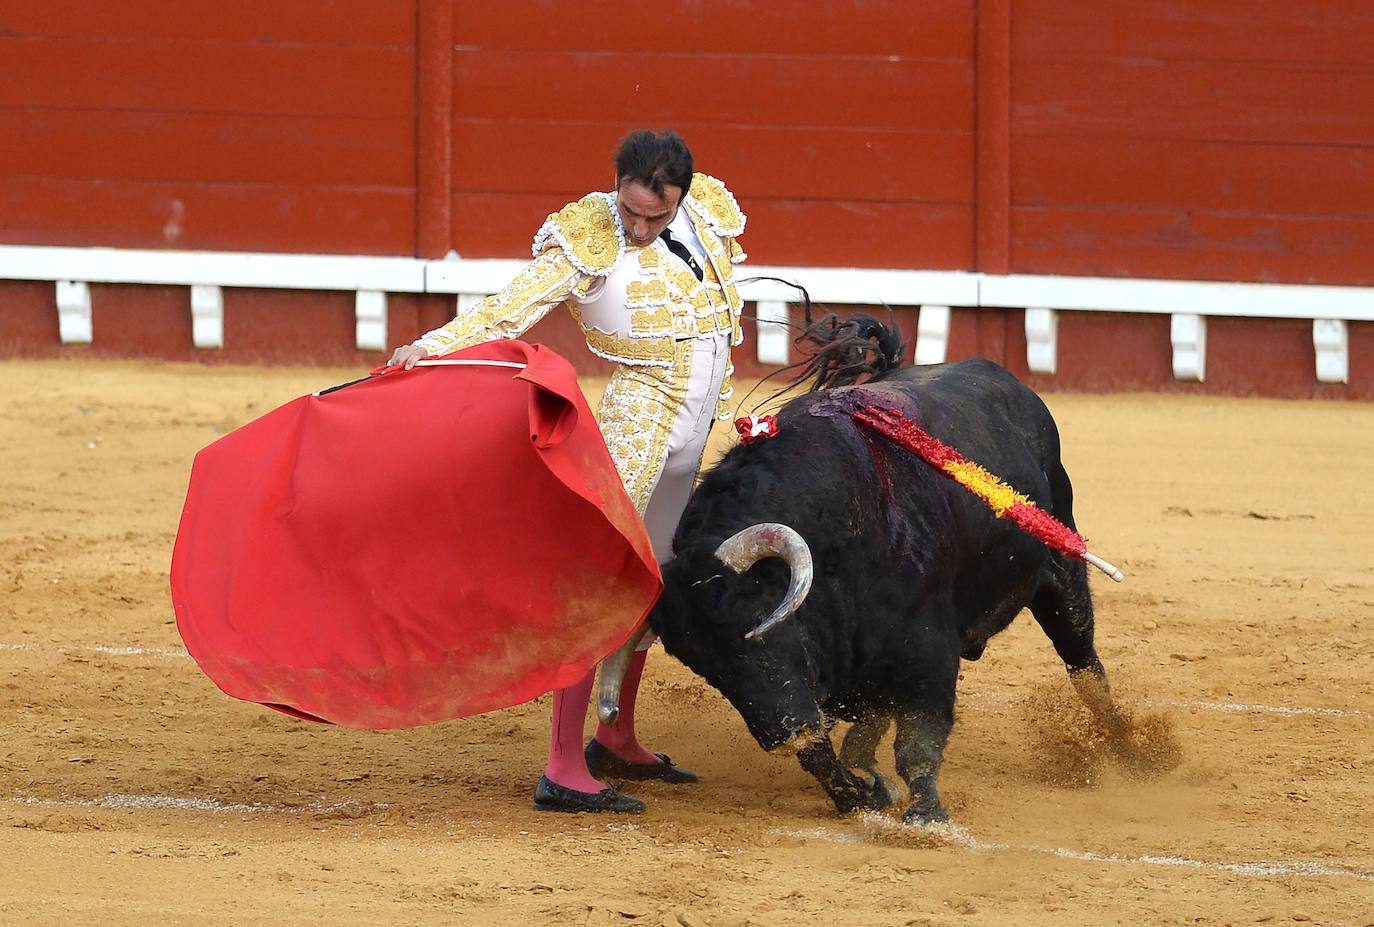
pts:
[890, 831]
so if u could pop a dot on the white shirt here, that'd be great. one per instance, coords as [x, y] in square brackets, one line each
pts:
[604, 308]
[684, 231]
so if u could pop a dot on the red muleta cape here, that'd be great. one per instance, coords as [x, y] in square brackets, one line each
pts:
[414, 547]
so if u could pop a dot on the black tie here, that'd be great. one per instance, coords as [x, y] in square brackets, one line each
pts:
[681, 251]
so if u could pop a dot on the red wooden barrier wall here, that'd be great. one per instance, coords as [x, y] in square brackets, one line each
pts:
[1154, 138]
[252, 125]
[1192, 139]
[1196, 139]
[846, 127]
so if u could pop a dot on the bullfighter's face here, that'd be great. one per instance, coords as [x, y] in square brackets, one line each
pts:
[644, 213]
[702, 617]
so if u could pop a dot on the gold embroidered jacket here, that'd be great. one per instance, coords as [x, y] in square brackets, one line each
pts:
[581, 250]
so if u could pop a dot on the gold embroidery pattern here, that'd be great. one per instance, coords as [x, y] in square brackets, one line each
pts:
[717, 205]
[639, 294]
[636, 416]
[585, 240]
[542, 284]
[727, 392]
[589, 231]
[651, 321]
[722, 252]
[715, 250]
[653, 351]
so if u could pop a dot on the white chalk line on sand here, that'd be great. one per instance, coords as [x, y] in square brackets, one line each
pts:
[1234, 707]
[1227, 707]
[956, 835]
[1224, 707]
[98, 648]
[951, 834]
[209, 805]
[975, 697]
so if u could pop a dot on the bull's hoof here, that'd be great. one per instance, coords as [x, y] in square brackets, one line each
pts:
[867, 794]
[892, 790]
[926, 809]
[895, 794]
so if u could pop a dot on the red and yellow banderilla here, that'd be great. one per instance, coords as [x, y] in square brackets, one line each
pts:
[1004, 501]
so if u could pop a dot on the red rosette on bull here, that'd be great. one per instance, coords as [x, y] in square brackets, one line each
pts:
[414, 547]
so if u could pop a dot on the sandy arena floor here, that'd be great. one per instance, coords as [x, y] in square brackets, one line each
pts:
[132, 792]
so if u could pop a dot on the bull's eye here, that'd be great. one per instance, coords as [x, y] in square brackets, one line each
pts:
[707, 579]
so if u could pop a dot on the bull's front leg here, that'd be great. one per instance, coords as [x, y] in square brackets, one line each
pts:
[848, 791]
[920, 749]
[859, 749]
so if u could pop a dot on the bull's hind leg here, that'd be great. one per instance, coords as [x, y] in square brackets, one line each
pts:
[1063, 607]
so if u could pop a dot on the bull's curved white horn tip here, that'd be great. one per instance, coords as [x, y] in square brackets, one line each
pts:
[763, 628]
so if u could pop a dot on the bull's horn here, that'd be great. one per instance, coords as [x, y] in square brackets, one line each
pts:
[612, 677]
[754, 543]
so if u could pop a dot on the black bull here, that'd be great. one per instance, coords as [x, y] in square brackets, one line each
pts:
[911, 574]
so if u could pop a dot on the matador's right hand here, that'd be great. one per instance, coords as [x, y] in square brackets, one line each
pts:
[406, 355]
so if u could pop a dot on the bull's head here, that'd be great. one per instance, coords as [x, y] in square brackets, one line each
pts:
[718, 605]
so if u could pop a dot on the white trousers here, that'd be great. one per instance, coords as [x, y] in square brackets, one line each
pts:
[686, 443]
[656, 422]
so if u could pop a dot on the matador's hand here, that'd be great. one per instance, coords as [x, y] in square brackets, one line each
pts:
[406, 355]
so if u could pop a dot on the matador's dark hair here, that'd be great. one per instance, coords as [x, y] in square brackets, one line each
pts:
[655, 159]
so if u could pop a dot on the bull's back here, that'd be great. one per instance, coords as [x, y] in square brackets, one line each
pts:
[974, 406]
[867, 508]
[979, 403]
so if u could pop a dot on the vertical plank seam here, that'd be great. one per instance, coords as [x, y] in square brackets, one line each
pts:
[992, 151]
[433, 127]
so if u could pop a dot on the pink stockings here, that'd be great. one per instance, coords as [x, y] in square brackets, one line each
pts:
[567, 766]
[691, 426]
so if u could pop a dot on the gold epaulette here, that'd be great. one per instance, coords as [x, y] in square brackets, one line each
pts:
[589, 233]
[717, 205]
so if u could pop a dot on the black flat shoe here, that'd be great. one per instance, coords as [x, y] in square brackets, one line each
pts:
[550, 796]
[606, 765]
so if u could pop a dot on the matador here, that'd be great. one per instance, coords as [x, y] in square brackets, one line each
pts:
[647, 272]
